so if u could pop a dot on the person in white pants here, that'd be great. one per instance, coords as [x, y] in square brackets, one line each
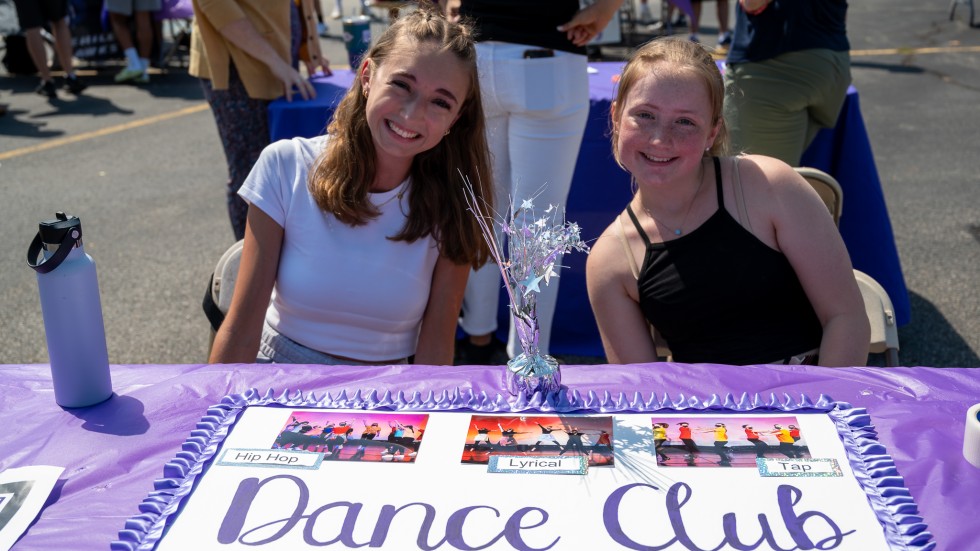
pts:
[536, 110]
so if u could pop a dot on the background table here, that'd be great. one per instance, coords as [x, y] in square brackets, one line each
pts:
[112, 452]
[600, 190]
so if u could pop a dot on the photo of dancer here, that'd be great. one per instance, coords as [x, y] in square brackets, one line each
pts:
[729, 441]
[540, 435]
[354, 436]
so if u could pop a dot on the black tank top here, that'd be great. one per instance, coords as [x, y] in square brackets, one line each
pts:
[719, 295]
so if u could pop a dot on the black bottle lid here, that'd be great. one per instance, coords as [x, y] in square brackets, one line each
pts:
[53, 231]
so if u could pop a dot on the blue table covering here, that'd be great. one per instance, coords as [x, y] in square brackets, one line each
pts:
[600, 190]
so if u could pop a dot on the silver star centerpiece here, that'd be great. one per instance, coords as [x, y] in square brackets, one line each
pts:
[535, 246]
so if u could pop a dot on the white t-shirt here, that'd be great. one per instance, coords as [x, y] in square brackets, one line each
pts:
[347, 291]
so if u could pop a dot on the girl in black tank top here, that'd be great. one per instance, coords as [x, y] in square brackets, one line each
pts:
[717, 294]
[777, 288]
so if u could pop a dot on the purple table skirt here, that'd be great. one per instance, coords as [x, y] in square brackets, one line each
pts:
[112, 452]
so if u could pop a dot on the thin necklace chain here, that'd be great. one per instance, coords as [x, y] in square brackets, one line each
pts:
[398, 196]
[679, 230]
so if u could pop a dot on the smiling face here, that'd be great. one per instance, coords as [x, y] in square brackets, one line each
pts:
[413, 98]
[664, 124]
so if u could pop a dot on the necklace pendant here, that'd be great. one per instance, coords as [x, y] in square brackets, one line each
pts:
[677, 232]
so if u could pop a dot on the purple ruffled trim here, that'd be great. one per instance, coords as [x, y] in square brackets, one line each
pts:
[891, 501]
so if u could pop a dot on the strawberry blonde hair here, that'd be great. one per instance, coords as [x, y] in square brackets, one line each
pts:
[679, 54]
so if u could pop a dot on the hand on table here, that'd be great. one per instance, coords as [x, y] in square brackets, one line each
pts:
[293, 82]
[320, 64]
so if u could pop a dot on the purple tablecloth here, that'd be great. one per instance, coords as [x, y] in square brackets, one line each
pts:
[112, 452]
[600, 190]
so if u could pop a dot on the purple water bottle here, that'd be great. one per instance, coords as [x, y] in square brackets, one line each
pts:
[72, 311]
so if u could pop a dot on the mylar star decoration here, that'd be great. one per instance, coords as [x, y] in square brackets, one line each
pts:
[535, 246]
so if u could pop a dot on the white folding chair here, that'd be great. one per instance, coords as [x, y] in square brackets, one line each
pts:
[827, 188]
[881, 315]
[217, 300]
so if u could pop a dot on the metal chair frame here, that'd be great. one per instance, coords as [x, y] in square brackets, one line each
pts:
[952, 9]
[827, 187]
[881, 316]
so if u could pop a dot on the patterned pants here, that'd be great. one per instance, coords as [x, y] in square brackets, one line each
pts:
[243, 125]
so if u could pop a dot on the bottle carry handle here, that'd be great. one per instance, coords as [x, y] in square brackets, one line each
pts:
[57, 258]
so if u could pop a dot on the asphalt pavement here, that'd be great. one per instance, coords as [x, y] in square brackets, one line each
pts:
[142, 167]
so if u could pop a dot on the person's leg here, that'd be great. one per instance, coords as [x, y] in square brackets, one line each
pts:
[243, 127]
[681, 19]
[722, 6]
[63, 48]
[695, 25]
[321, 26]
[30, 18]
[724, 33]
[543, 144]
[62, 45]
[766, 109]
[55, 14]
[120, 28]
[829, 92]
[481, 298]
[144, 38]
[36, 49]
[482, 294]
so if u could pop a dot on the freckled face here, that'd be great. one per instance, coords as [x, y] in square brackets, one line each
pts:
[414, 97]
[664, 125]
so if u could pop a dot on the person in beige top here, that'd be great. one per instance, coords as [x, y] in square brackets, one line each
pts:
[242, 50]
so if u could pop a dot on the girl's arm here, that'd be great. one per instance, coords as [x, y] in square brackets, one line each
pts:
[237, 341]
[624, 331]
[805, 232]
[437, 336]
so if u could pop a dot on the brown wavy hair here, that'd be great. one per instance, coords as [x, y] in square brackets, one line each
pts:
[681, 54]
[342, 175]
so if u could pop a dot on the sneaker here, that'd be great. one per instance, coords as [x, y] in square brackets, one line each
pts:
[694, 38]
[725, 38]
[47, 88]
[335, 14]
[321, 29]
[128, 74]
[144, 78]
[74, 85]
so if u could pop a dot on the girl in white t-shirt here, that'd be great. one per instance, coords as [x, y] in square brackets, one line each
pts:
[361, 238]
